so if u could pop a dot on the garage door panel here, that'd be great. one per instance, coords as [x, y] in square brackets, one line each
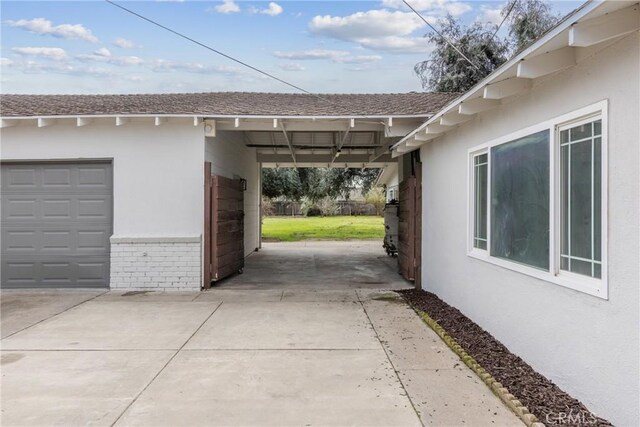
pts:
[20, 208]
[56, 208]
[56, 224]
[56, 177]
[56, 239]
[51, 272]
[18, 241]
[94, 208]
[92, 177]
[19, 177]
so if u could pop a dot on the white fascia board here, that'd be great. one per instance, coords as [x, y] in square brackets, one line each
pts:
[478, 89]
[384, 117]
[606, 27]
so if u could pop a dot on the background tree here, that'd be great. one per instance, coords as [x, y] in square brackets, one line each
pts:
[315, 183]
[447, 71]
[528, 21]
[283, 182]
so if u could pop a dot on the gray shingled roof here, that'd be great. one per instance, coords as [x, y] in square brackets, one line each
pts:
[226, 103]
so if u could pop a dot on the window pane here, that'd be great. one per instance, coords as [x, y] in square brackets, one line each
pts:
[597, 196]
[581, 132]
[564, 200]
[480, 201]
[520, 200]
[597, 128]
[581, 193]
[580, 267]
[580, 200]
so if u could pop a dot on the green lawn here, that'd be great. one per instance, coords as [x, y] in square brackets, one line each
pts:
[288, 229]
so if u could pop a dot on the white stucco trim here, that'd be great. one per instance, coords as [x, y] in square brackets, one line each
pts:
[155, 239]
[588, 285]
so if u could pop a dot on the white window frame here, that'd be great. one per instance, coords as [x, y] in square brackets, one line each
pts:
[472, 201]
[578, 282]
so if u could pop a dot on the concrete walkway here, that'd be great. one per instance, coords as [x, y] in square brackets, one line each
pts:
[319, 265]
[264, 357]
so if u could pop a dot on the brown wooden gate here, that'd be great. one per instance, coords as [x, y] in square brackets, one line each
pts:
[224, 227]
[406, 228]
[410, 226]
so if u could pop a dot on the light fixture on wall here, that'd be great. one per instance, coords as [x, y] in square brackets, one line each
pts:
[243, 182]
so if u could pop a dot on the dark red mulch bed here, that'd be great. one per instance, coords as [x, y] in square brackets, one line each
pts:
[543, 398]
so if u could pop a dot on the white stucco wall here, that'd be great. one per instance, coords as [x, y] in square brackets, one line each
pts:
[229, 157]
[157, 185]
[587, 345]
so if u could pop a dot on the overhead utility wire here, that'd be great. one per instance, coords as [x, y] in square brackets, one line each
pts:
[513, 4]
[216, 51]
[440, 34]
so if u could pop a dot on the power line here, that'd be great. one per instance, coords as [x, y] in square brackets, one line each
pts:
[513, 4]
[215, 50]
[440, 34]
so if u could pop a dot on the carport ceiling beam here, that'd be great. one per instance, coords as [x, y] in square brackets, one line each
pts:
[345, 135]
[381, 151]
[323, 159]
[299, 125]
[286, 138]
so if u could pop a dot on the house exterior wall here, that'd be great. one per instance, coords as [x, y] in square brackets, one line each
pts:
[158, 200]
[230, 158]
[587, 345]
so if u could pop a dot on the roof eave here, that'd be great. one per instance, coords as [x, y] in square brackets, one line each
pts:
[442, 124]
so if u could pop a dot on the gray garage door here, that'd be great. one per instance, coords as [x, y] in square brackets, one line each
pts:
[56, 224]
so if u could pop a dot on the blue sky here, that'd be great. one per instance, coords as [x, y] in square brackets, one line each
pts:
[322, 46]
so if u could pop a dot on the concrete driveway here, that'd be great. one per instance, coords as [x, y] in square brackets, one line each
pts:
[227, 357]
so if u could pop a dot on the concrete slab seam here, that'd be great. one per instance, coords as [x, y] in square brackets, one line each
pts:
[57, 314]
[509, 399]
[165, 365]
[391, 363]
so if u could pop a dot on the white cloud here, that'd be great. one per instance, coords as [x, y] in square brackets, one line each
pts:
[104, 55]
[361, 59]
[55, 53]
[311, 54]
[372, 23]
[395, 44]
[382, 30]
[490, 15]
[274, 9]
[437, 7]
[292, 66]
[125, 44]
[6, 62]
[103, 51]
[166, 66]
[34, 67]
[227, 6]
[337, 56]
[63, 31]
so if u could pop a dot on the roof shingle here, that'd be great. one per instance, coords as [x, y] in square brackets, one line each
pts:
[227, 103]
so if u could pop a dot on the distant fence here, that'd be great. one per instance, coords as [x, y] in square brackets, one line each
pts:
[345, 207]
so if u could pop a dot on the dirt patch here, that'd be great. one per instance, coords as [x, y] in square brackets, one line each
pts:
[542, 397]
